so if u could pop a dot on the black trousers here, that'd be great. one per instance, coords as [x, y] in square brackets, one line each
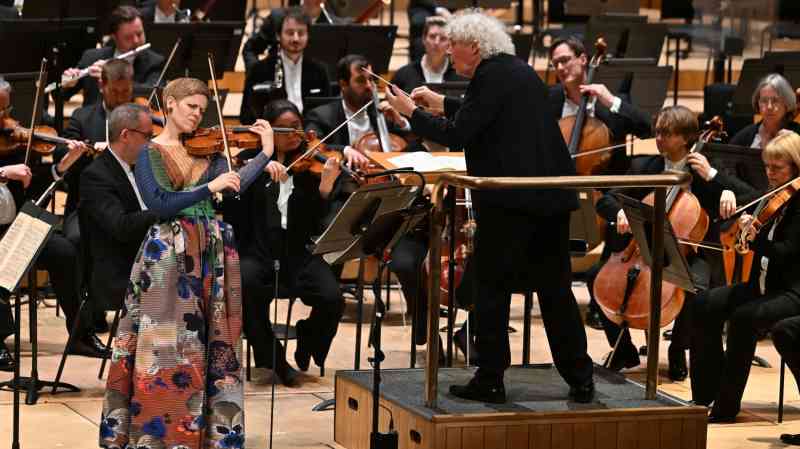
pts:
[406, 263]
[721, 375]
[542, 245]
[786, 338]
[681, 330]
[316, 286]
[60, 258]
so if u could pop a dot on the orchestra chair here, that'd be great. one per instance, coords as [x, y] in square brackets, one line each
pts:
[283, 332]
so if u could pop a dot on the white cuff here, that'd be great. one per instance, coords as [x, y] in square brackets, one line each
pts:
[54, 172]
[712, 173]
[615, 105]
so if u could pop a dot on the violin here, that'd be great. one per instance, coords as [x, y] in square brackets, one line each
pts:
[586, 134]
[464, 247]
[383, 140]
[207, 141]
[14, 137]
[622, 287]
[313, 162]
[737, 238]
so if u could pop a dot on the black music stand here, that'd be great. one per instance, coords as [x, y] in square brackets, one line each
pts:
[329, 43]
[222, 39]
[32, 213]
[523, 44]
[599, 7]
[645, 81]
[211, 118]
[372, 220]
[583, 227]
[449, 88]
[744, 163]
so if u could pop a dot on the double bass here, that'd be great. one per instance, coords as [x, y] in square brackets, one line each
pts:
[622, 287]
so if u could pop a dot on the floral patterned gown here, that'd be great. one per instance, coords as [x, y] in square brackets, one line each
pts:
[175, 378]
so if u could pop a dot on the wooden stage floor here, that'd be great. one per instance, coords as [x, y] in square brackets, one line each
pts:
[71, 420]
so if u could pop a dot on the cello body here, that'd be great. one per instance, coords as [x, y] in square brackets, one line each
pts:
[622, 287]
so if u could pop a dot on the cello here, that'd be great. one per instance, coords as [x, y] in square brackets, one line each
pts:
[622, 287]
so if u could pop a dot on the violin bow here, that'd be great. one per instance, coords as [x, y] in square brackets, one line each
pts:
[227, 149]
[164, 72]
[36, 101]
[313, 149]
[771, 193]
[370, 72]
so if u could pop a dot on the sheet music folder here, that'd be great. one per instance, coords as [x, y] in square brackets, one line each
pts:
[640, 217]
[371, 206]
[23, 242]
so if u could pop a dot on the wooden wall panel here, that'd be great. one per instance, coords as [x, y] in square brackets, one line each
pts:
[540, 436]
[453, 438]
[671, 434]
[627, 435]
[472, 438]
[605, 435]
[648, 434]
[494, 437]
[563, 436]
[584, 435]
[517, 437]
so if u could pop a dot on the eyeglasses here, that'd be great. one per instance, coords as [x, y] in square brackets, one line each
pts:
[555, 63]
[147, 135]
[770, 102]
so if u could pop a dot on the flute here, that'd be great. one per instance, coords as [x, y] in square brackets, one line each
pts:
[84, 72]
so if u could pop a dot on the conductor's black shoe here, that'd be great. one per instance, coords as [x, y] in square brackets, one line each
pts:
[791, 438]
[677, 364]
[480, 390]
[620, 362]
[582, 393]
[593, 319]
[89, 346]
[7, 362]
[715, 419]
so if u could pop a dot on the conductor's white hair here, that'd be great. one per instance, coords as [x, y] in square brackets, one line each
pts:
[486, 31]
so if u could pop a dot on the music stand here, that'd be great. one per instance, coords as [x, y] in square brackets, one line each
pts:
[34, 39]
[455, 89]
[523, 44]
[33, 226]
[222, 39]
[329, 43]
[583, 226]
[641, 216]
[211, 118]
[598, 7]
[744, 163]
[23, 86]
[645, 82]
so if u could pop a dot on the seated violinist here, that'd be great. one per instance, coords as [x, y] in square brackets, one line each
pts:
[127, 33]
[356, 88]
[434, 66]
[295, 206]
[676, 132]
[302, 76]
[719, 376]
[776, 102]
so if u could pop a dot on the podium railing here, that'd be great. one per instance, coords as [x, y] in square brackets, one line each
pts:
[660, 182]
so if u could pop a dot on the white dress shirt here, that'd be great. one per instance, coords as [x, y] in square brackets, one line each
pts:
[131, 178]
[432, 76]
[163, 18]
[293, 80]
[358, 126]
[286, 189]
[762, 276]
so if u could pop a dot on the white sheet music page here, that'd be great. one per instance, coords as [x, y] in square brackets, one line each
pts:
[18, 247]
[425, 162]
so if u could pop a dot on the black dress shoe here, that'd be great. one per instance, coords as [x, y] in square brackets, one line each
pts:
[89, 346]
[620, 362]
[7, 362]
[791, 438]
[715, 419]
[288, 375]
[480, 390]
[677, 364]
[593, 319]
[582, 393]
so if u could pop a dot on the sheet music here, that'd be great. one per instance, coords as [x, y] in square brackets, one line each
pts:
[18, 248]
[426, 162]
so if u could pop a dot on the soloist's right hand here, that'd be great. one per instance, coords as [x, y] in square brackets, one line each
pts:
[226, 181]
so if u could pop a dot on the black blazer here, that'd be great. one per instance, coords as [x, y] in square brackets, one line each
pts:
[783, 273]
[410, 76]
[267, 35]
[314, 82]
[256, 217]
[323, 119]
[487, 125]
[146, 68]
[707, 193]
[746, 135]
[86, 123]
[113, 228]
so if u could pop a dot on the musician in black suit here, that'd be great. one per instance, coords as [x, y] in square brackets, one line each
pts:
[503, 87]
[269, 33]
[112, 215]
[676, 134]
[434, 66]
[127, 33]
[295, 204]
[771, 294]
[776, 102]
[163, 11]
[302, 76]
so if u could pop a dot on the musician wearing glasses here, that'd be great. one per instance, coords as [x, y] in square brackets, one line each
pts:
[776, 102]
[127, 34]
[287, 72]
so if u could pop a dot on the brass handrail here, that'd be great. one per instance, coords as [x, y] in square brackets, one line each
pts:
[660, 182]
